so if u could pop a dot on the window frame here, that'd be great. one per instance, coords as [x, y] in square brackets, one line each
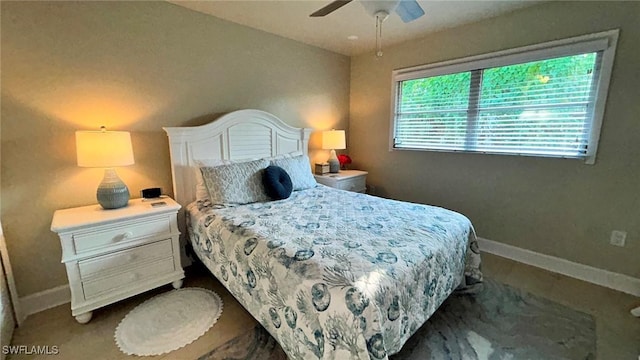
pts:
[605, 41]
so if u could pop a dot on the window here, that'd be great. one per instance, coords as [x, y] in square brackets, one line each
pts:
[542, 100]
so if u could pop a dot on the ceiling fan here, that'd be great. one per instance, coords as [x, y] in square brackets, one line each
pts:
[408, 10]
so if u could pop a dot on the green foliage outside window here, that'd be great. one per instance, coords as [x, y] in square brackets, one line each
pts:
[535, 105]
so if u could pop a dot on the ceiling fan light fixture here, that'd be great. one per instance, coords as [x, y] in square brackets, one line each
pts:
[374, 6]
[382, 15]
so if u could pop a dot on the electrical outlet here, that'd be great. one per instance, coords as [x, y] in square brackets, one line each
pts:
[618, 238]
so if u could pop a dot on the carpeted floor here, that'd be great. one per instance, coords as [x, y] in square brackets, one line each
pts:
[501, 322]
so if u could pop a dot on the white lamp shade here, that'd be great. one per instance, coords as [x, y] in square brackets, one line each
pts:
[104, 148]
[333, 140]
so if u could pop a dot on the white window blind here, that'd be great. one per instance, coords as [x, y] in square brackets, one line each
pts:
[550, 105]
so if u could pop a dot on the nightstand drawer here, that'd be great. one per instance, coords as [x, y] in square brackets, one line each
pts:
[115, 262]
[130, 277]
[110, 235]
[357, 184]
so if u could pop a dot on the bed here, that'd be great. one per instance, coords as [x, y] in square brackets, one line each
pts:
[330, 274]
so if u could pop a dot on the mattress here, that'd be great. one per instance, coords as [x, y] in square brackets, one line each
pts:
[333, 274]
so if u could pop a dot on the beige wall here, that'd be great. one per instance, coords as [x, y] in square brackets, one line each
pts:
[558, 207]
[133, 66]
[140, 66]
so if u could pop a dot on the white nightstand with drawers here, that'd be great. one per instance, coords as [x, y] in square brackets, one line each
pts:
[111, 255]
[351, 180]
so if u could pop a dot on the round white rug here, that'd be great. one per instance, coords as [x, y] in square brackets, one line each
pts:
[168, 321]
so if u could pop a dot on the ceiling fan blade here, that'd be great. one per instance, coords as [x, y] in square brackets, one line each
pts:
[409, 10]
[333, 6]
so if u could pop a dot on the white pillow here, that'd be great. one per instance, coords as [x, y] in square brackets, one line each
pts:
[299, 170]
[236, 183]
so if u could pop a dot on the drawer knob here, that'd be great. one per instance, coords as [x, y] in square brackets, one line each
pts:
[124, 236]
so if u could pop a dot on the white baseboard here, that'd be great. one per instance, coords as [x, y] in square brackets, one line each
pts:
[616, 281]
[44, 300]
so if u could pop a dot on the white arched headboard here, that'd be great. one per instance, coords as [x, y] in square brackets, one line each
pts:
[242, 134]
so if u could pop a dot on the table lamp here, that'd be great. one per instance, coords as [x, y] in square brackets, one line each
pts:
[333, 140]
[106, 149]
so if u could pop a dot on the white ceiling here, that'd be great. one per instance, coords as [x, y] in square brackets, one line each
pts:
[291, 19]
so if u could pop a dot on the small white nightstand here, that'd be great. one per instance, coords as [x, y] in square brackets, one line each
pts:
[111, 255]
[351, 180]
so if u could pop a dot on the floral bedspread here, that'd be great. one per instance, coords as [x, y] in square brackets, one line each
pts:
[333, 274]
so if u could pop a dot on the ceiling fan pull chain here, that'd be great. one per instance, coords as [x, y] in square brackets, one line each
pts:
[381, 16]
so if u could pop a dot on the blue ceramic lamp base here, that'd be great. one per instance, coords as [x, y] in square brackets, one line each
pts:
[112, 192]
[334, 164]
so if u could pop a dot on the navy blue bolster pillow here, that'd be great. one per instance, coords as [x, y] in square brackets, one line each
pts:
[277, 183]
